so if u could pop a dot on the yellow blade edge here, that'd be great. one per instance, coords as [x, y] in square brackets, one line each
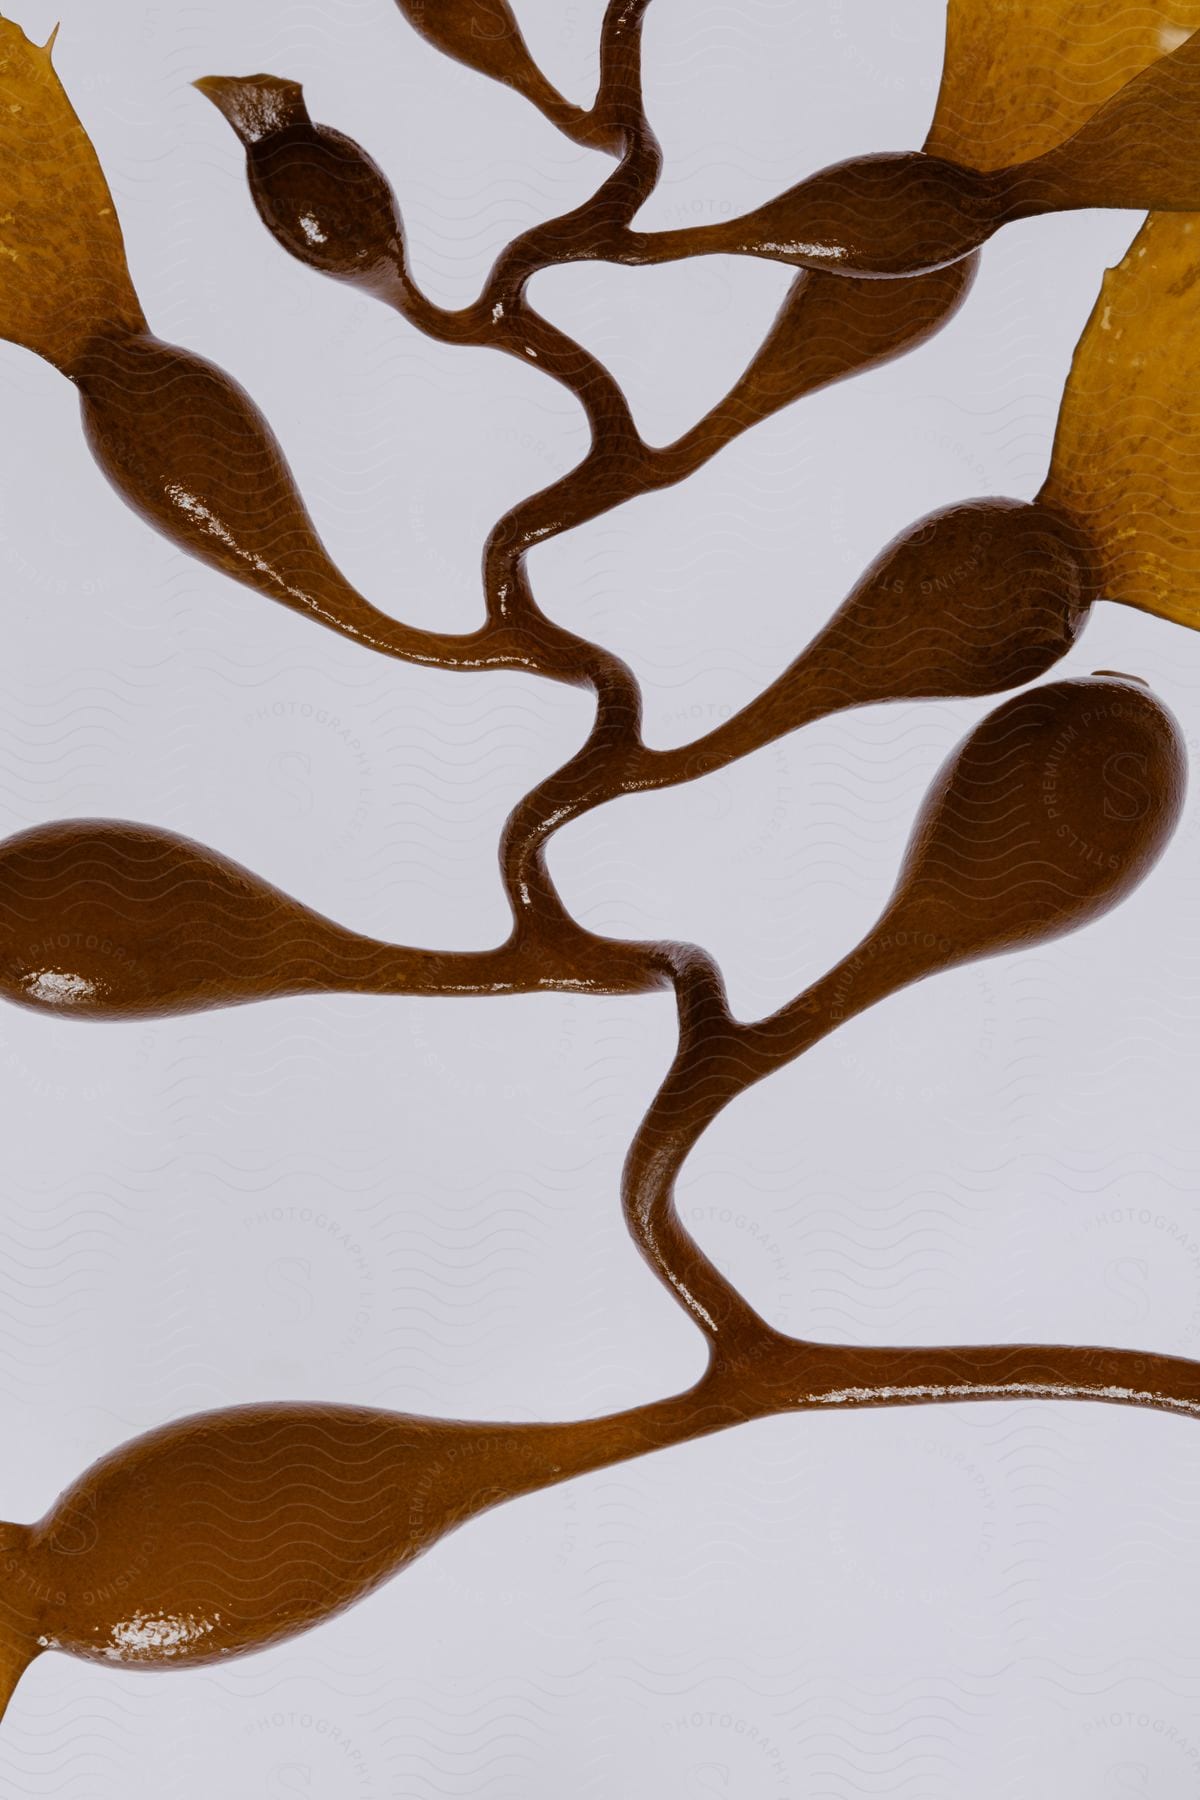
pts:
[63, 273]
[1021, 76]
[1126, 458]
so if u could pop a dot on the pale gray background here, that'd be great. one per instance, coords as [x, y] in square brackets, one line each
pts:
[1009, 1151]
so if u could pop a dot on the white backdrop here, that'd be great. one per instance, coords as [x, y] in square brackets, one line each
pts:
[997, 1600]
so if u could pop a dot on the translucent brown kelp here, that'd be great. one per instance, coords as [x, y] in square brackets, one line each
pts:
[485, 35]
[254, 1524]
[63, 275]
[1021, 76]
[103, 919]
[318, 193]
[185, 446]
[1027, 832]
[1141, 149]
[1126, 459]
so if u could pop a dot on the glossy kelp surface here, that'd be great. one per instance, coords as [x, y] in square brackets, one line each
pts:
[230, 1531]
[233, 1530]
[226, 1532]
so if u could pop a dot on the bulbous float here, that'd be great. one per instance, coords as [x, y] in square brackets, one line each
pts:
[1049, 814]
[188, 450]
[904, 213]
[228, 1532]
[484, 35]
[976, 598]
[233, 1530]
[100, 919]
[827, 329]
[319, 194]
[1053, 810]
[972, 600]
[104, 919]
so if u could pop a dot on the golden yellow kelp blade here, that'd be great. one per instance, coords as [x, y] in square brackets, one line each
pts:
[1126, 460]
[1021, 76]
[63, 275]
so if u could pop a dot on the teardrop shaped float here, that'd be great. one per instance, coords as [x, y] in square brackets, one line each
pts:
[100, 919]
[1050, 813]
[322, 198]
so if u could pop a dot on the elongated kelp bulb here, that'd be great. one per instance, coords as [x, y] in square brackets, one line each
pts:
[186, 447]
[973, 599]
[977, 597]
[899, 213]
[233, 1530]
[318, 192]
[1050, 813]
[484, 35]
[101, 919]
[229, 1531]
[1126, 458]
[828, 328]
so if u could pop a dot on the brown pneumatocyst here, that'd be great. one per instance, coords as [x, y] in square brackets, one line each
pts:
[885, 215]
[833, 326]
[321, 196]
[222, 1533]
[323, 199]
[188, 449]
[100, 919]
[1049, 814]
[975, 599]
